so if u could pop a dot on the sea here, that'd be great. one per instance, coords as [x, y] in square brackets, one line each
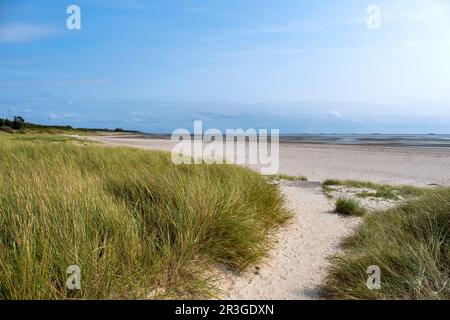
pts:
[376, 139]
[388, 140]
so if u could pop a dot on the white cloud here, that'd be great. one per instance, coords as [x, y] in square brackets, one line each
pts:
[56, 82]
[307, 26]
[54, 116]
[25, 32]
[336, 114]
[433, 44]
[286, 28]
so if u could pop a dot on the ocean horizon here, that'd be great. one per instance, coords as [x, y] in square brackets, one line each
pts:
[376, 139]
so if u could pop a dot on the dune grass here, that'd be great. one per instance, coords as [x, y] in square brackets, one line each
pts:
[44, 137]
[385, 191]
[349, 207]
[278, 177]
[130, 219]
[411, 246]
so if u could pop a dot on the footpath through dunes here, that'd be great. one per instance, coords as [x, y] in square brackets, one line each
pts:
[296, 266]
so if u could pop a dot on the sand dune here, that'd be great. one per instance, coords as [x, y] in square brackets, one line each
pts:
[295, 267]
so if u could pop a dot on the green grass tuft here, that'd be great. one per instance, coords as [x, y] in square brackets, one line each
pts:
[349, 207]
[385, 191]
[278, 177]
[133, 221]
[411, 246]
[332, 182]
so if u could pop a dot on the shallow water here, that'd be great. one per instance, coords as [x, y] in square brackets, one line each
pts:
[407, 140]
[387, 140]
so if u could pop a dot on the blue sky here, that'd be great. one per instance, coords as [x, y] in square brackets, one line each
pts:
[300, 66]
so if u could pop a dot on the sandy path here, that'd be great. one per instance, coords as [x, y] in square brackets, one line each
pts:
[295, 267]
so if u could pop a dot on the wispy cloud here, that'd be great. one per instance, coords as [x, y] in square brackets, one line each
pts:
[58, 116]
[57, 82]
[286, 28]
[25, 32]
[435, 44]
[336, 114]
[305, 26]
[121, 4]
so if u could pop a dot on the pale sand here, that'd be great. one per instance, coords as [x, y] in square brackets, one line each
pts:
[415, 166]
[296, 266]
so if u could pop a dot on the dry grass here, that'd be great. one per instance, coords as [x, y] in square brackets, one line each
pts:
[349, 207]
[133, 221]
[410, 244]
[285, 177]
[385, 191]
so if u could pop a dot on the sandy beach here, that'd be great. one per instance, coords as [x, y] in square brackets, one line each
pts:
[394, 165]
[296, 266]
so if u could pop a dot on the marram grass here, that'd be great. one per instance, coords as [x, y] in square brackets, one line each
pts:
[411, 246]
[349, 207]
[133, 222]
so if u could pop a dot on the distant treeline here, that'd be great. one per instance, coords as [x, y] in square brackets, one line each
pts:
[19, 123]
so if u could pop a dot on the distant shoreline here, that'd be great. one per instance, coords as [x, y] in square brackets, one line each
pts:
[438, 141]
[419, 166]
[429, 140]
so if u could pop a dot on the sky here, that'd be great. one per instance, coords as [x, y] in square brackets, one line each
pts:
[298, 66]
